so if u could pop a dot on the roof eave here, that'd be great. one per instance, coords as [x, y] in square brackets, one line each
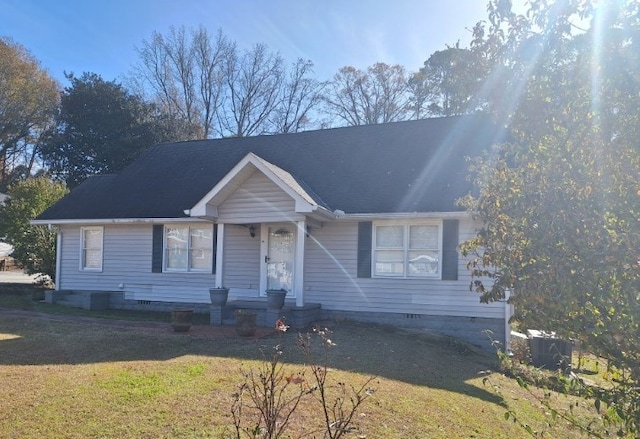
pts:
[55, 222]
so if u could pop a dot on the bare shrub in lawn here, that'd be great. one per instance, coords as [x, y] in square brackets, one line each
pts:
[269, 396]
[339, 401]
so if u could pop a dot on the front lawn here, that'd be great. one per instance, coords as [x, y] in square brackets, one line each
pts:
[82, 380]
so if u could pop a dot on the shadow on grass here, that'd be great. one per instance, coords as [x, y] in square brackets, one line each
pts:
[37, 338]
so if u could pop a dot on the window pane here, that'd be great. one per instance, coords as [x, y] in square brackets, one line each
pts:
[389, 236]
[92, 238]
[423, 263]
[92, 248]
[92, 259]
[201, 248]
[201, 259]
[177, 255]
[389, 262]
[424, 236]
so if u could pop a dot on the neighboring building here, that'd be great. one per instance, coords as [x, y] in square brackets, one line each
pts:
[360, 220]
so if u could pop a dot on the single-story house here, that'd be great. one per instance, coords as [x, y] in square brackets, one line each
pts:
[355, 222]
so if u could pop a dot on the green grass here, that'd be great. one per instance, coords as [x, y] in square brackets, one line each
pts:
[72, 380]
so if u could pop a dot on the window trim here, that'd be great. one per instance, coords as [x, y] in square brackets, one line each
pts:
[83, 248]
[406, 224]
[189, 268]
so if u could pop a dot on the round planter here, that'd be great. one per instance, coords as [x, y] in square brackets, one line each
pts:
[181, 319]
[219, 296]
[275, 298]
[246, 323]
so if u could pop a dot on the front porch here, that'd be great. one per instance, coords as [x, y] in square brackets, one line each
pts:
[297, 317]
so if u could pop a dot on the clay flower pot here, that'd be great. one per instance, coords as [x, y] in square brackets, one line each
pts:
[246, 322]
[181, 319]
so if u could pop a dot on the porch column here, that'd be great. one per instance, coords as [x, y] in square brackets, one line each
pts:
[219, 254]
[298, 286]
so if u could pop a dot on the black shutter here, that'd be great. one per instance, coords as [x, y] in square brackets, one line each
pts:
[450, 249]
[215, 248]
[156, 248]
[365, 235]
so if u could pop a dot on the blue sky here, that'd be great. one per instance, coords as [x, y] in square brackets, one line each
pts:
[100, 36]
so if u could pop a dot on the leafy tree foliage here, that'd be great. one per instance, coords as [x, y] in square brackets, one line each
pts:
[101, 128]
[28, 101]
[449, 83]
[34, 246]
[559, 204]
[378, 95]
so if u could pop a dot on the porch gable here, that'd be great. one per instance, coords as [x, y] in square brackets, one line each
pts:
[258, 191]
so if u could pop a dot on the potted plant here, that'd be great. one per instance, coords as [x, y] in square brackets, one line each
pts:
[219, 296]
[275, 298]
[181, 319]
[246, 322]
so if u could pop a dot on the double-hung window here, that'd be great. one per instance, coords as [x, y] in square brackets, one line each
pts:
[91, 248]
[407, 249]
[188, 248]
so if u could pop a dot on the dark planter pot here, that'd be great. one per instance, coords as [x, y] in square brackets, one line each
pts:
[246, 323]
[219, 296]
[275, 298]
[181, 319]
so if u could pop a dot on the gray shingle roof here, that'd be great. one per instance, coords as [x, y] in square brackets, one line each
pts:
[413, 166]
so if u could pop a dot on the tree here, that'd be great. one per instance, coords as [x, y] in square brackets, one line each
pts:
[28, 102]
[101, 128]
[223, 91]
[448, 84]
[33, 246]
[300, 95]
[377, 95]
[254, 81]
[186, 74]
[558, 204]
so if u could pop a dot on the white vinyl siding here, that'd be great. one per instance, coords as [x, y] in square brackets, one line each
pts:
[241, 261]
[188, 248]
[91, 248]
[126, 267]
[407, 249]
[258, 200]
[330, 273]
[330, 279]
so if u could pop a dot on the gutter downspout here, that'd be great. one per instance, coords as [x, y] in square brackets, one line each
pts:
[58, 258]
[508, 312]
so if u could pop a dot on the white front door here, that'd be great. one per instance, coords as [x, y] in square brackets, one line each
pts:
[280, 257]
